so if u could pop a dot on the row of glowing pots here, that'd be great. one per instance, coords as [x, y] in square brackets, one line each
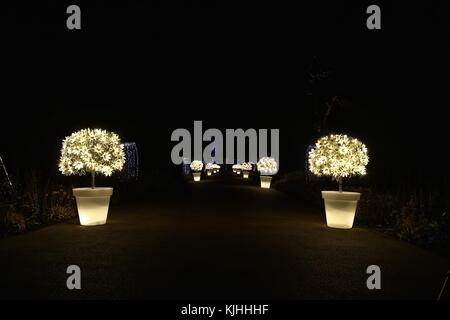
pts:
[245, 173]
[265, 180]
[93, 205]
[340, 207]
[209, 172]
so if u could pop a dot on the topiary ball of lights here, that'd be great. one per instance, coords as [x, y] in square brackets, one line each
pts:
[93, 151]
[267, 168]
[196, 168]
[339, 156]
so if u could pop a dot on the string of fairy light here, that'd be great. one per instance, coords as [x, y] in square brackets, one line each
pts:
[267, 166]
[91, 150]
[338, 156]
[6, 174]
[131, 169]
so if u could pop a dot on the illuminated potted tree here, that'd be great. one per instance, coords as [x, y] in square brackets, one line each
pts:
[267, 168]
[196, 168]
[339, 156]
[209, 168]
[237, 168]
[92, 151]
[246, 168]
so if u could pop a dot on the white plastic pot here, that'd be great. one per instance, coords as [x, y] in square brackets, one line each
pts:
[245, 174]
[340, 208]
[93, 205]
[196, 175]
[265, 181]
[208, 172]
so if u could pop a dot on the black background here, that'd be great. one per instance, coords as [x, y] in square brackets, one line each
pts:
[143, 69]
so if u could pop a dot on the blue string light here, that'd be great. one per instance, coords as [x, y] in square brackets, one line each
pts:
[131, 167]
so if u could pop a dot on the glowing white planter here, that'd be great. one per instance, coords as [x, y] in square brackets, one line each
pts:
[265, 181]
[209, 172]
[238, 171]
[93, 205]
[245, 174]
[197, 175]
[340, 208]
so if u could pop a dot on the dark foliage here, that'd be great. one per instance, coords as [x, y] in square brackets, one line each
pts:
[415, 213]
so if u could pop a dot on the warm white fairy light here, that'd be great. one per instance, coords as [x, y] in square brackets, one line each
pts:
[338, 156]
[212, 166]
[215, 168]
[91, 150]
[246, 168]
[196, 165]
[267, 166]
[236, 167]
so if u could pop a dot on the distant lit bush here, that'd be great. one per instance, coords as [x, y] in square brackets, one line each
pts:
[247, 166]
[196, 165]
[210, 166]
[267, 166]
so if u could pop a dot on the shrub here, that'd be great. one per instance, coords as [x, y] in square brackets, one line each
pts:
[267, 166]
[196, 165]
[31, 205]
[60, 205]
[417, 215]
[15, 223]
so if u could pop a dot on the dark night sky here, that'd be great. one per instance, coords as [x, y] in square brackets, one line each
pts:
[145, 70]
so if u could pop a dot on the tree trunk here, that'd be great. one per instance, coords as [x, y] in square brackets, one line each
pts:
[93, 179]
[340, 184]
